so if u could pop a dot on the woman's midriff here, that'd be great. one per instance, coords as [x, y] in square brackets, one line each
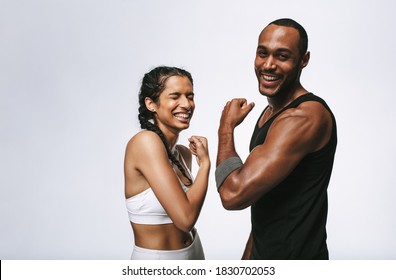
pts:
[161, 237]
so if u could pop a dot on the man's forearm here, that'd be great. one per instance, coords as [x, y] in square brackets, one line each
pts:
[227, 158]
[226, 146]
[234, 113]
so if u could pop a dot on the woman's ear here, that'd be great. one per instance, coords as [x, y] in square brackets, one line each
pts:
[150, 104]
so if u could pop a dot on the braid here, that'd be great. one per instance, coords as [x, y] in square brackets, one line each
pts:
[152, 85]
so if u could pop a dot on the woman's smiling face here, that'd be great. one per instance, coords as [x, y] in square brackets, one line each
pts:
[175, 105]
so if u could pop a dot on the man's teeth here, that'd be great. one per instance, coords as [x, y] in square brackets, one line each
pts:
[269, 78]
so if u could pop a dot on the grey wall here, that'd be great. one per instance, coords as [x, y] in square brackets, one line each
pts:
[69, 78]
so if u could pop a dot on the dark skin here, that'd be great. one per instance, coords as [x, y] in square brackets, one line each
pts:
[294, 134]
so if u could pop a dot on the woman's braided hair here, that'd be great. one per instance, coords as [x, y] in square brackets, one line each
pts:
[153, 84]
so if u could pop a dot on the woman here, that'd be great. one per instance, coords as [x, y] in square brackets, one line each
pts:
[162, 199]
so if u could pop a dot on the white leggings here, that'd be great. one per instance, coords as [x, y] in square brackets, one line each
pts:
[192, 252]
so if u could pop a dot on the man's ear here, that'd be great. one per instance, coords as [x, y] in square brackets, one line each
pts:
[305, 59]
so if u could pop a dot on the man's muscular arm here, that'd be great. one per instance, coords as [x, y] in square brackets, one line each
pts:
[233, 114]
[294, 134]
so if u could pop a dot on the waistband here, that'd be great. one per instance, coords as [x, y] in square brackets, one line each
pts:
[193, 252]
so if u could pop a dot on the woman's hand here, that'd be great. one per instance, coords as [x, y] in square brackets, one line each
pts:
[199, 148]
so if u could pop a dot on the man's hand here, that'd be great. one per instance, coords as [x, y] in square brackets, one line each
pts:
[235, 111]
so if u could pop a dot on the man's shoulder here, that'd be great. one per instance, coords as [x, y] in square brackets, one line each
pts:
[310, 107]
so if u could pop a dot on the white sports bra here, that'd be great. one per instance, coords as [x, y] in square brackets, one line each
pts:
[144, 207]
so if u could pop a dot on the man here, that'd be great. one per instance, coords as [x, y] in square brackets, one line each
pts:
[285, 177]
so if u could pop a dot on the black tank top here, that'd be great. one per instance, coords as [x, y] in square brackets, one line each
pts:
[289, 222]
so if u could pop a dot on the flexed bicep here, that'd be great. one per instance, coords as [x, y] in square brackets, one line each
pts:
[290, 138]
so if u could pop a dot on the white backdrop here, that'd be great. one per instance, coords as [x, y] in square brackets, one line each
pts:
[69, 78]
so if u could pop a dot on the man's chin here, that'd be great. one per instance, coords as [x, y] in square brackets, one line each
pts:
[268, 93]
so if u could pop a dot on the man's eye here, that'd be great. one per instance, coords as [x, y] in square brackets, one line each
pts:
[262, 53]
[283, 56]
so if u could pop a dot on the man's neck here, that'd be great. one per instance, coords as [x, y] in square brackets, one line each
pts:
[281, 100]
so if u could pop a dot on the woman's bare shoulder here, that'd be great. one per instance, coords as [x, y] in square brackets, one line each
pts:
[144, 141]
[144, 137]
